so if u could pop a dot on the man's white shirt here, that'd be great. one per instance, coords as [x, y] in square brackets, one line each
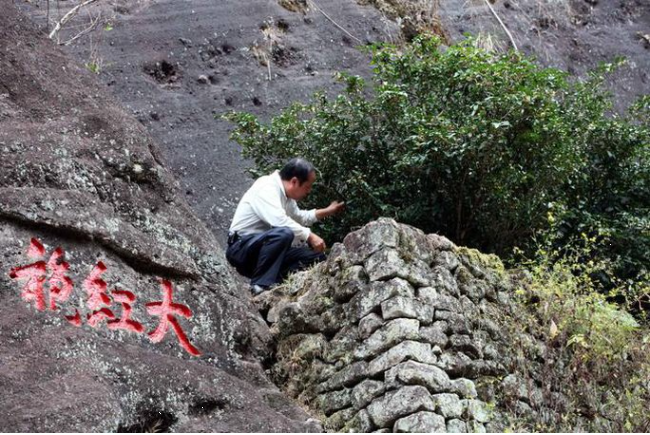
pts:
[265, 205]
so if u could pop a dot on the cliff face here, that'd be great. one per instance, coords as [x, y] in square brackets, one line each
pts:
[117, 311]
[404, 332]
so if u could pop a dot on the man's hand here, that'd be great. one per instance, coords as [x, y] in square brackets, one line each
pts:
[335, 207]
[316, 243]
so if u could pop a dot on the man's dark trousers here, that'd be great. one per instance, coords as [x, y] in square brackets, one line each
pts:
[268, 257]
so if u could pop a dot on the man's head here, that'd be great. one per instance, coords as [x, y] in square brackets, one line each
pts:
[297, 176]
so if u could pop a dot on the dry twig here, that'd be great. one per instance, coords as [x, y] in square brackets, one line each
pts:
[512, 40]
[67, 17]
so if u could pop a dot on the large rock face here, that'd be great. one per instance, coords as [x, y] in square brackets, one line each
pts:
[405, 332]
[117, 311]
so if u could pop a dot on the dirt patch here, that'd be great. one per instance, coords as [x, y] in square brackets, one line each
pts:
[163, 71]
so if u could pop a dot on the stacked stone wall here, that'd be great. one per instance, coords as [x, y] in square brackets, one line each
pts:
[399, 331]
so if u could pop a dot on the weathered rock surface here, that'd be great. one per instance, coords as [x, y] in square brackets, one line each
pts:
[78, 173]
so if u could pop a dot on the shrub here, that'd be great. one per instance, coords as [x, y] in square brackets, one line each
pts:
[596, 354]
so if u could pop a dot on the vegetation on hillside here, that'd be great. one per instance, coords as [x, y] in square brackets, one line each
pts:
[491, 150]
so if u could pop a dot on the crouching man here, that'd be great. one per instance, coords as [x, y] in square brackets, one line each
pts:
[269, 235]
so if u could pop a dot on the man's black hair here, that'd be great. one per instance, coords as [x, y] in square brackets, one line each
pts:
[297, 167]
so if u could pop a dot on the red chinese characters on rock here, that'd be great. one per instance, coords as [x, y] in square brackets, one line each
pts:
[166, 310]
[99, 302]
[59, 285]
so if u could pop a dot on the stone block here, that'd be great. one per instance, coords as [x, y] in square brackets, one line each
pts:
[384, 264]
[420, 422]
[475, 427]
[466, 345]
[334, 401]
[365, 392]
[374, 236]
[400, 306]
[448, 405]
[339, 419]
[411, 350]
[447, 260]
[456, 426]
[342, 345]
[353, 281]
[392, 333]
[443, 280]
[369, 324]
[476, 410]
[434, 334]
[396, 404]
[415, 373]
[346, 377]
[369, 300]
[360, 423]
[440, 243]
[465, 388]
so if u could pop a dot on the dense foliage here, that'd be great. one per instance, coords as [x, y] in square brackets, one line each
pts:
[485, 148]
[595, 354]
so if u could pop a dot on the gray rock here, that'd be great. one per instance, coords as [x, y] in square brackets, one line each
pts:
[443, 280]
[475, 427]
[466, 345]
[360, 423]
[395, 404]
[456, 426]
[412, 350]
[371, 238]
[384, 264]
[440, 243]
[465, 388]
[339, 419]
[476, 410]
[365, 392]
[448, 405]
[400, 306]
[415, 244]
[353, 281]
[417, 273]
[368, 300]
[458, 324]
[347, 377]
[474, 289]
[342, 345]
[329, 322]
[274, 313]
[441, 301]
[454, 363]
[447, 260]
[392, 333]
[369, 324]
[334, 401]
[415, 373]
[420, 422]
[435, 334]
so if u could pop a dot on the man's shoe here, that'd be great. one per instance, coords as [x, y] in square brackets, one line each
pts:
[257, 290]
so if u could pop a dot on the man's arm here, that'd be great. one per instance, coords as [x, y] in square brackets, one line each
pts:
[334, 208]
